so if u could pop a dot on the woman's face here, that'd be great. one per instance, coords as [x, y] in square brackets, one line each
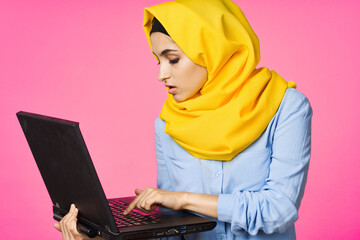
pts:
[181, 76]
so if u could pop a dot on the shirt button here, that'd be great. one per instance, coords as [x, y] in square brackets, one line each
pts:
[221, 236]
[218, 174]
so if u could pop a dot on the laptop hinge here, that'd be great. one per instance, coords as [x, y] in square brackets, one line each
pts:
[109, 230]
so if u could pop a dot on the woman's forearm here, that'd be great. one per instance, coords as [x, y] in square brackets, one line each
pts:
[205, 204]
[149, 198]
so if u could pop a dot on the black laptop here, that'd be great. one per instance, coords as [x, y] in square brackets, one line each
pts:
[70, 177]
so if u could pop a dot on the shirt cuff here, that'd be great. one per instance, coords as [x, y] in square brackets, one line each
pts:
[225, 207]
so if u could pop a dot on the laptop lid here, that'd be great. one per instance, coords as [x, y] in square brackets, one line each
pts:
[70, 177]
[59, 150]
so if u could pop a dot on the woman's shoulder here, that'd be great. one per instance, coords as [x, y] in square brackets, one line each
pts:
[293, 95]
[293, 101]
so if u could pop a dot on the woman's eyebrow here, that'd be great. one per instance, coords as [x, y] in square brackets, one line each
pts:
[166, 51]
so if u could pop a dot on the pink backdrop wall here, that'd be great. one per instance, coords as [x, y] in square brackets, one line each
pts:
[89, 61]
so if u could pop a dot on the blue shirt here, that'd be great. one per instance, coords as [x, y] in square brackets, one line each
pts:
[260, 189]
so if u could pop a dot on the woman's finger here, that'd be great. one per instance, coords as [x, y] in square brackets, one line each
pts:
[73, 224]
[145, 201]
[150, 202]
[134, 203]
[131, 205]
[138, 191]
[66, 235]
[150, 198]
[65, 220]
[69, 225]
[57, 226]
[142, 198]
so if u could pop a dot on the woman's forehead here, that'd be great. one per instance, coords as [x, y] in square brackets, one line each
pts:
[160, 41]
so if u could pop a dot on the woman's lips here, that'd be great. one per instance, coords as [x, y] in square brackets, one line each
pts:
[171, 90]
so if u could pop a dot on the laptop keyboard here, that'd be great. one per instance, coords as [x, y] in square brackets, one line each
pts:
[134, 218]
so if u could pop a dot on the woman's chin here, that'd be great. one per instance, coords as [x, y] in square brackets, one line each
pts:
[182, 98]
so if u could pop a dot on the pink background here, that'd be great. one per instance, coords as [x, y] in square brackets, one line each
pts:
[89, 61]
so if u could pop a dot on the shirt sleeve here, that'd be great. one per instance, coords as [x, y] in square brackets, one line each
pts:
[275, 207]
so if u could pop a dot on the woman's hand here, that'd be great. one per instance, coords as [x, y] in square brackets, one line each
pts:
[68, 226]
[148, 199]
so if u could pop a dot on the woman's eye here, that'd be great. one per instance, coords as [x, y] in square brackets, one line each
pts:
[173, 61]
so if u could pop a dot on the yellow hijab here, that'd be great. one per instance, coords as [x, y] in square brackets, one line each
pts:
[238, 101]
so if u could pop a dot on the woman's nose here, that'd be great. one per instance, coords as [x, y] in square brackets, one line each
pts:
[163, 73]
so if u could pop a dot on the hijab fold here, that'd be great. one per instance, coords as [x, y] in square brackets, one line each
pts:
[238, 100]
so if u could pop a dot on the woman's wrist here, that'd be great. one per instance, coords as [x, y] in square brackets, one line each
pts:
[184, 199]
[205, 204]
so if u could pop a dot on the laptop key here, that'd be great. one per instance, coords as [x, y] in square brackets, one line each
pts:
[133, 218]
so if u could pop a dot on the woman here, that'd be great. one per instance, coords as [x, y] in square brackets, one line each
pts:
[232, 141]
